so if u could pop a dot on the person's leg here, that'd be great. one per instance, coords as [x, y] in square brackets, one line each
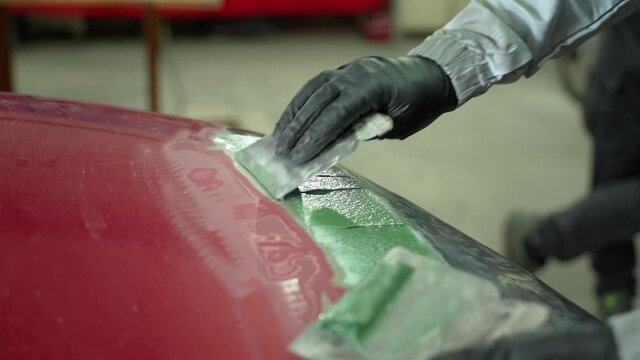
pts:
[615, 128]
[605, 222]
[611, 213]
[616, 282]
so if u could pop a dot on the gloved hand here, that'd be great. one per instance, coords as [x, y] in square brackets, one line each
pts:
[579, 341]
[412, 90]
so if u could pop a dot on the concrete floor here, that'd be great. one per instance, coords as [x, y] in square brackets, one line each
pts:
[519, 146]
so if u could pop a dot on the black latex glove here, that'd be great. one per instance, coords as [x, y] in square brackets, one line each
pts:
[412, 90]
[583, 342]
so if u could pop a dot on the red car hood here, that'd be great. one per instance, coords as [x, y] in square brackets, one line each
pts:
[133, 235]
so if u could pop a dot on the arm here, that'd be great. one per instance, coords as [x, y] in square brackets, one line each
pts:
[498, 41]
[488, 42]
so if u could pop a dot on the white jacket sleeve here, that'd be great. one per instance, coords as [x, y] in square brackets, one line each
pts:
[497, 41]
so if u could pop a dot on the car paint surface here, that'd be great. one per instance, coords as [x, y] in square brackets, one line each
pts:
[124, 235]
[134, 235]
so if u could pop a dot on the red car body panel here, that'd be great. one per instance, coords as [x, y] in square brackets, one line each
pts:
[133, 235]
[125, 235]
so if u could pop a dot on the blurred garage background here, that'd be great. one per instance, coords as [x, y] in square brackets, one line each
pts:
[240, 61]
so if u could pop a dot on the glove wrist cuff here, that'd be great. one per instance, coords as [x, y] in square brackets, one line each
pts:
[462, 56]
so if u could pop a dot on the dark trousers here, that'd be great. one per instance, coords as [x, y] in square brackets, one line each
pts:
[605, 222]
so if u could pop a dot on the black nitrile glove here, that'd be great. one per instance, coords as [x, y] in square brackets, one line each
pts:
[412, 90]
[584, 342]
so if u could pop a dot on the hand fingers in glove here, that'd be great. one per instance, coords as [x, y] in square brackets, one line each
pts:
[330, 124]
[412, 90]
[299, 100]
[305, 116]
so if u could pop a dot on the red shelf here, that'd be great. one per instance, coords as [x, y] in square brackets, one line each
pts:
[230, 9]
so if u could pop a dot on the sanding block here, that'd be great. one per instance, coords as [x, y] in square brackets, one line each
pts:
[279, 176]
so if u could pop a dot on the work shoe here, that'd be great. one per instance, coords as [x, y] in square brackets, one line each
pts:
[614, 303]
[518, 227]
